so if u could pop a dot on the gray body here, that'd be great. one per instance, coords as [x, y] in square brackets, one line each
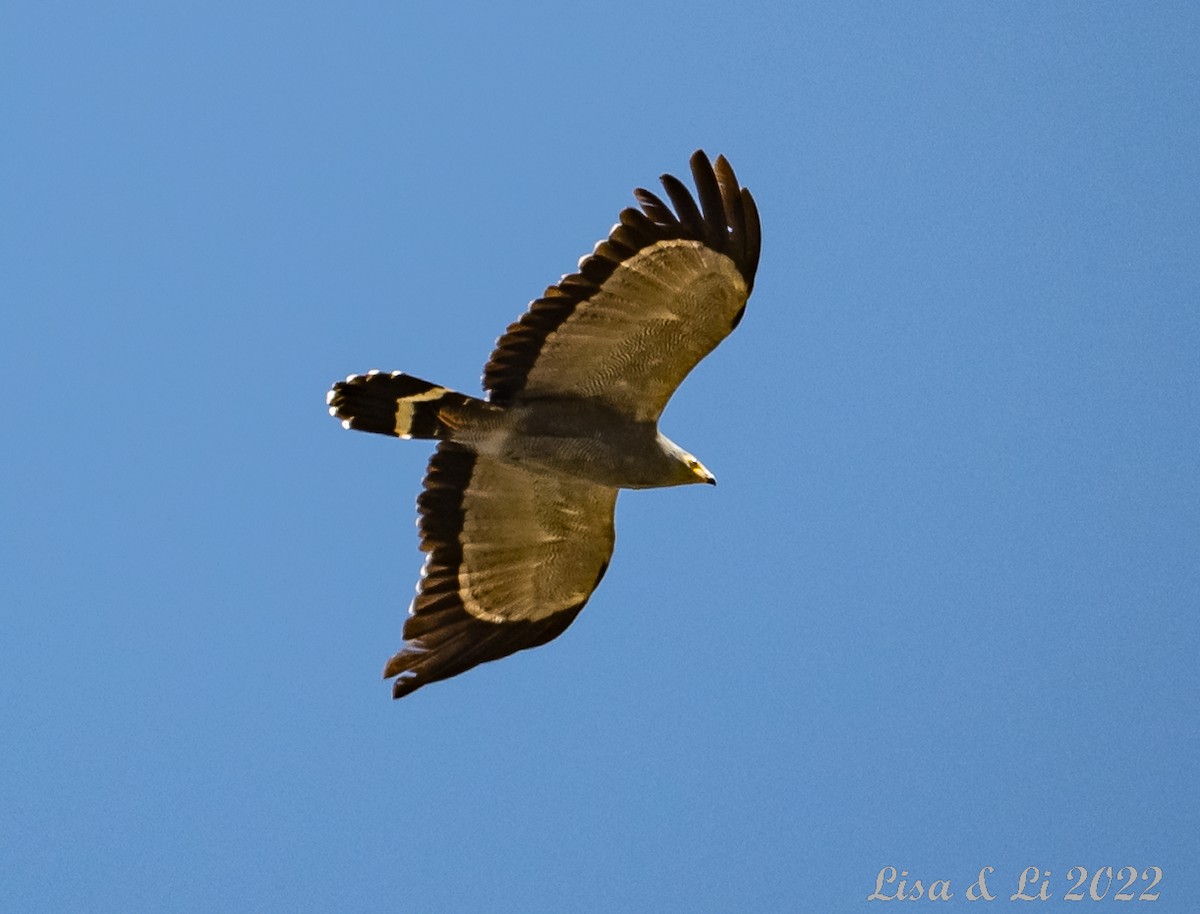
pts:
[581, 438]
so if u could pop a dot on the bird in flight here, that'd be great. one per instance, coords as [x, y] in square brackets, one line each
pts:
[516, 515]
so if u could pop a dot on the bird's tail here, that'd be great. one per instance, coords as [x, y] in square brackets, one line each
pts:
[400, 405]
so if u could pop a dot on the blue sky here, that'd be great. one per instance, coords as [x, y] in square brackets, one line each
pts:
[939, 614]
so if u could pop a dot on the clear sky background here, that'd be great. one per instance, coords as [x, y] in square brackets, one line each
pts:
[939, 614]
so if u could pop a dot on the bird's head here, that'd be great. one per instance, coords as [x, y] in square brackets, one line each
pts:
[699, 472]
[685, 468]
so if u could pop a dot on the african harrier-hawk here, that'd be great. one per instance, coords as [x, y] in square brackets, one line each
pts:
[517, 511]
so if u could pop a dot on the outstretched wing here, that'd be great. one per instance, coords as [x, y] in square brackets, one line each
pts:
[513, 555]
[645, 306]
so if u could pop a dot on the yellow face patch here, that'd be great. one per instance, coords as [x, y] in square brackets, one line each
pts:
[700, 471]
